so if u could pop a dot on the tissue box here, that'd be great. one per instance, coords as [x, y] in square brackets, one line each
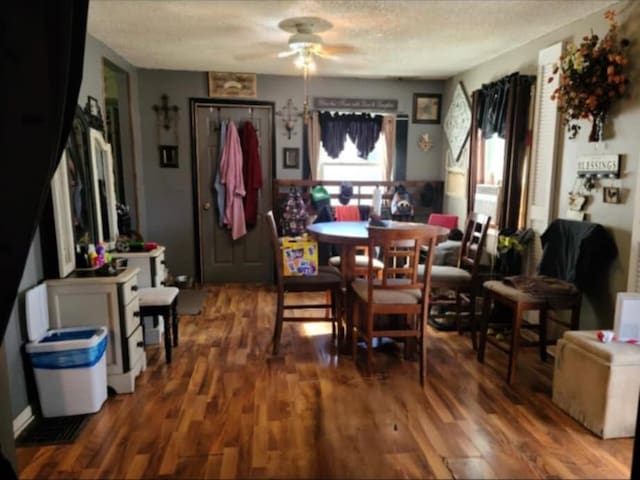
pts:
[299, 256]
[598, 383]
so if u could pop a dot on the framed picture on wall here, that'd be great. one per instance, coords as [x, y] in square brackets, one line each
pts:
[427, 107]
[168, 156]
[290, 158]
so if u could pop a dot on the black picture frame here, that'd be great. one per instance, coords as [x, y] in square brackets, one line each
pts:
[168, 156]
[93, 113]
[290, 157]
[427, 108]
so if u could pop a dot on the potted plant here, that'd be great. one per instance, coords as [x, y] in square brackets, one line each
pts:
[593, 75]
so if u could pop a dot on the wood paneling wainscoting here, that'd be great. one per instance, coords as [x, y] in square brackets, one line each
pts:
[226, 409]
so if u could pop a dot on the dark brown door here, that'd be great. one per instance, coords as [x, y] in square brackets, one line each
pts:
[247, 259]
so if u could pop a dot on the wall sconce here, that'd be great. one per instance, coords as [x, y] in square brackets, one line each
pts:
[167, 131]
[424, 142]
[289, 115]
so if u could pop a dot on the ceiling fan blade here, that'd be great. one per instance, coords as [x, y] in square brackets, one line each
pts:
[339, 49]
[287, 53]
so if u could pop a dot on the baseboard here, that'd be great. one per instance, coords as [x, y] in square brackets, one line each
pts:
[21, 421]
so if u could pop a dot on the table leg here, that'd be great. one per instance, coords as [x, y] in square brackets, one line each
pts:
[347, 268]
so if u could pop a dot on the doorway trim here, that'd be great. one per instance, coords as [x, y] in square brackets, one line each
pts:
[194, 103]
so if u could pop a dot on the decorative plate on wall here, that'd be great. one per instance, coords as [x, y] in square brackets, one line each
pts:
[457, 123]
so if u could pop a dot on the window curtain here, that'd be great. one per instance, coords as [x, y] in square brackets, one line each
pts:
[43, 45]
[363, 130]
[389, 131]
[313, 145]
[503, 107]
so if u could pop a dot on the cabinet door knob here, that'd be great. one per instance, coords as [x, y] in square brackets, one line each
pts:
[134, 288]
[140, 344]
[136, 313]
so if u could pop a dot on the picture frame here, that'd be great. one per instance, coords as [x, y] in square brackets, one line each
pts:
[168, 156]
[230, 84]
[610, 194]
[290, 157]
[427, 107]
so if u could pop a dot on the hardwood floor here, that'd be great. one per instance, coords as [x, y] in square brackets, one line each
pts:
[226, 409]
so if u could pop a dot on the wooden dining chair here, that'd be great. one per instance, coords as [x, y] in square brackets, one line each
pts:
[327, 281]
[397, 292]
[463, 279]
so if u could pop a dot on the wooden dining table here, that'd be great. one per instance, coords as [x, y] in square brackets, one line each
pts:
[348, 236]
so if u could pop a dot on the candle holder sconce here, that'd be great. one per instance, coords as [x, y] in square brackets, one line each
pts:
[289, 115]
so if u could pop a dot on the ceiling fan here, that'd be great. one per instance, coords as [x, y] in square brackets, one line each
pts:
[305, 41]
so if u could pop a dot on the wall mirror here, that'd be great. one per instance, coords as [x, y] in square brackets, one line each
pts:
[104, 194]
[119, 133]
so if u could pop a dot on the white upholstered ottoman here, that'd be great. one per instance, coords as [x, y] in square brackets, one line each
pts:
[598, 383]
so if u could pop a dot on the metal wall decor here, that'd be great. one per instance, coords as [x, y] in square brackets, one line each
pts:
[289, 115]
[167, 131]
[229, 84]
[457, 122]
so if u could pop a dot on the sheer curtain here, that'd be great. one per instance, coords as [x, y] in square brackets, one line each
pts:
[313, 144]
[389, 131]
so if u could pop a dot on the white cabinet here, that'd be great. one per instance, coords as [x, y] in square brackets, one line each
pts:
[110, 301]
[152, 274]
[151, 264]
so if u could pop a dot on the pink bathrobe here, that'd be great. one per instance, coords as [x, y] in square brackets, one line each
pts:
[231, 176]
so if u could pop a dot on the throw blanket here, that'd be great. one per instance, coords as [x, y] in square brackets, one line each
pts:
[555, 291]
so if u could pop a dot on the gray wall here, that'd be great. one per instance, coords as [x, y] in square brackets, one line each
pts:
[622, 137]
[169, 191]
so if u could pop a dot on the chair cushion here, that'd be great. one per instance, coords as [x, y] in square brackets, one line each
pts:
[410, 296]
[326, 274]
[362, 261]
[511, 293]
[446, 276]
[157, 296]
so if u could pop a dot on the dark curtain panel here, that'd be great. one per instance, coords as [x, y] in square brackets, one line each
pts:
[306, 165]
[635, 460]
[492, 111]
[42, 57]
[363, 130]
[516, 141]
[477, 99]
[402, 132]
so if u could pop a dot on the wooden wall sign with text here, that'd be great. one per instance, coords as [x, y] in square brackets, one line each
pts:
[599, 166]
[379, 105]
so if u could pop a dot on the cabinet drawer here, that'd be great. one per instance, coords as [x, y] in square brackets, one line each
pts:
[136, 347]
[129, 290]
[131, 316]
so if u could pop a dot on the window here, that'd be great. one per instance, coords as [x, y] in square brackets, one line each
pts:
[491, 170]
[349, 167]
[493, 160]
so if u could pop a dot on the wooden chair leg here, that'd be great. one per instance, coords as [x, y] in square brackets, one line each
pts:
[484, 325]
[472, 319]
[355, 320]
[542, 335]
[515, 343]
[423, 355]
[167, 335]
[458, 312]
[277, 332]
[174, 322]
[369, 341]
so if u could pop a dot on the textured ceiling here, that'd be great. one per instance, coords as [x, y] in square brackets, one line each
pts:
[394, 38]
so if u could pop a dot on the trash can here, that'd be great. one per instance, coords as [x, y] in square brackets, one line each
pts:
[69, 364]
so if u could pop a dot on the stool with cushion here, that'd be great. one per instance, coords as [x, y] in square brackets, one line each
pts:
[162, 301]
[328, 281]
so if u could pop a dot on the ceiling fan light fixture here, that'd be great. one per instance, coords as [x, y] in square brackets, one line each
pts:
[299, 41]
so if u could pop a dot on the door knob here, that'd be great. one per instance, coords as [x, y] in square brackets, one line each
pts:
[206, 206]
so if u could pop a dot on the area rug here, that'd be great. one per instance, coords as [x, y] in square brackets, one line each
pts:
[53, 430]
[190, 301]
